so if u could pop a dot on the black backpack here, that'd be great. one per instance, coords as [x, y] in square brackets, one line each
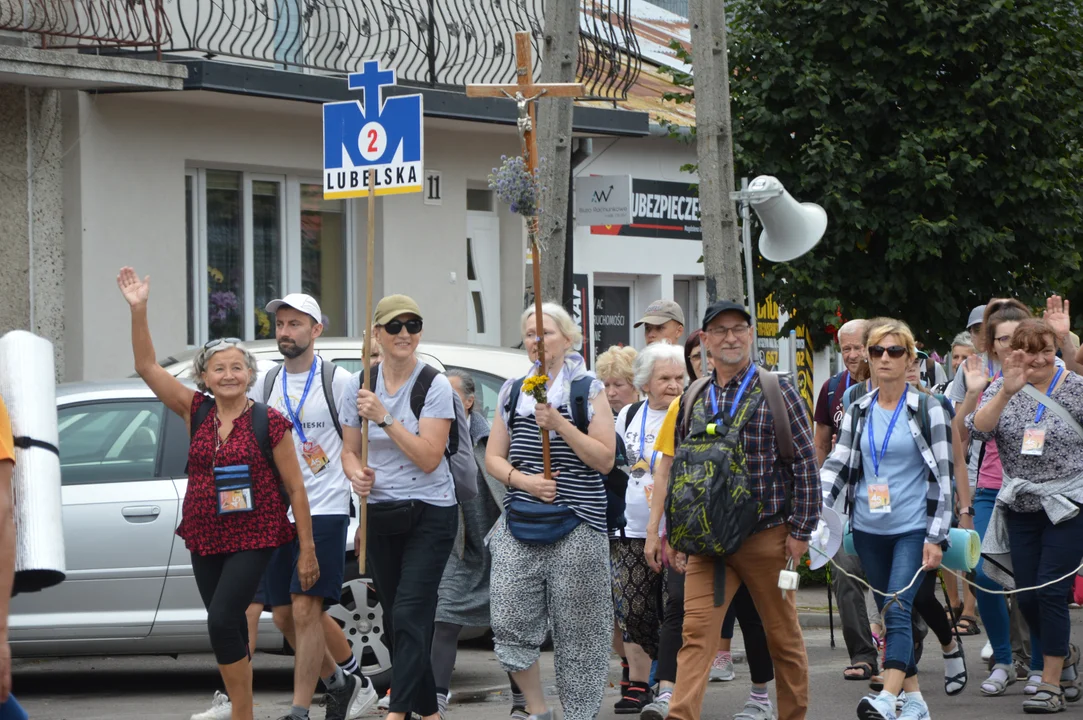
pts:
[616, 482]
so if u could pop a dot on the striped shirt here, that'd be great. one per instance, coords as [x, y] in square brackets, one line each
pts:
[579, 487]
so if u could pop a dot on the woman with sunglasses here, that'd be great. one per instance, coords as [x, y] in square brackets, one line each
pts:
[1001, 319]
[1037, 516]
[551, 548]
[234, 514]
[897, 491]
[412, 514]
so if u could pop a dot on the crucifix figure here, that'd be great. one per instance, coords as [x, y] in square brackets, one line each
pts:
[525, 93]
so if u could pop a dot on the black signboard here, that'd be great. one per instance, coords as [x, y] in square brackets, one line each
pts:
[581, 312]
[660, 209]
[612, 326]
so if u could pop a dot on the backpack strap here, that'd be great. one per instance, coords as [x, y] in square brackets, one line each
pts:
[269, 384]
[419, 392]
[632, 410]
[772, 391]
[201, 414]
[513, 401]
[261, 427]
[580, 395]
[689, 398]
[832, 390]
[327, 373]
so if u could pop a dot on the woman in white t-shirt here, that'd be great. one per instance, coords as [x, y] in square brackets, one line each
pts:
[637, 590]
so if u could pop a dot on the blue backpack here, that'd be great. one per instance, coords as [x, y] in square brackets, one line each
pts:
[616, 482]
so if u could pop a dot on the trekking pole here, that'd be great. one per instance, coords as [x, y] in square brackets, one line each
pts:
[830, 611]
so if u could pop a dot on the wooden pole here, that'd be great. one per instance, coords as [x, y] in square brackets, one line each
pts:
[365, 353]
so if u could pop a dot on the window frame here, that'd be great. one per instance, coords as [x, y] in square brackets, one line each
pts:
[152, 404]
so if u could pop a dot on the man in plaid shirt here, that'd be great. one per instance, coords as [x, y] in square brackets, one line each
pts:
[782, 534]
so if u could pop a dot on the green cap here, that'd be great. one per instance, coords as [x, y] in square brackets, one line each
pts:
[392, 306]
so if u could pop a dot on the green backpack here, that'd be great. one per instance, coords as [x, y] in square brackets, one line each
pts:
[710, 508]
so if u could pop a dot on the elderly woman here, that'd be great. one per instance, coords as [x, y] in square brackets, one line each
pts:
[551, 551]
[896, 486]
[234, 514]
[659, 375]
[412, 515]
[1033, 411]
[614, 369]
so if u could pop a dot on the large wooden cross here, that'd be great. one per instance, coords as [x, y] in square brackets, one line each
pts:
[525, 93]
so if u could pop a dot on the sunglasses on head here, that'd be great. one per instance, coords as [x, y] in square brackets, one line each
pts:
[221, 341]
[395, 326]
[895, 351]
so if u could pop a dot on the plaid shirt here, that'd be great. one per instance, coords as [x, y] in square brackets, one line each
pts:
[761, 451]
[843, 469]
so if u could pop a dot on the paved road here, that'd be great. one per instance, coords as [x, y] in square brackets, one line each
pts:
[166, 689]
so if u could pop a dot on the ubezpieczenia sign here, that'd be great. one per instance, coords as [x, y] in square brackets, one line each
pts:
[660, 209]
[382, 139]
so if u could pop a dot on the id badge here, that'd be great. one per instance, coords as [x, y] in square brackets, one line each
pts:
[1033, 440]
[879, 498]
[314, 456]
[233, 489]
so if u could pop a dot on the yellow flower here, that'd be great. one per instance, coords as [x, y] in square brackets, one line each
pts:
[535, 385]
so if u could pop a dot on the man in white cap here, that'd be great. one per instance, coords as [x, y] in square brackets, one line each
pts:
[663, 321]
[307, 391]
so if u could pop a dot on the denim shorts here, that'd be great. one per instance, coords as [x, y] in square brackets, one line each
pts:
[281, 580]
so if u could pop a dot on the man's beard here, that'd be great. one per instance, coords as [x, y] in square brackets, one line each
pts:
[291, 349]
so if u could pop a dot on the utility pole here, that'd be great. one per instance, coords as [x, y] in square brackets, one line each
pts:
[714, 151]
[559, 56]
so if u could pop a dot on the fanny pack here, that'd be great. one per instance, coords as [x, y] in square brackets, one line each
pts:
[394, 518]
[233, 489]
[537, 523]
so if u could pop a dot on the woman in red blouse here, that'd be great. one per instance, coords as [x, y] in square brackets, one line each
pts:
[234, 514]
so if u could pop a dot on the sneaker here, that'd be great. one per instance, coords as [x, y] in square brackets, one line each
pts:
[880, 707]
[914, 709]
[755, 711]
[722, 668]
[987, 651]
[385, 701]
[221, 708]
[519, 713]
[657, 710]
[350, 700]
[636, 697]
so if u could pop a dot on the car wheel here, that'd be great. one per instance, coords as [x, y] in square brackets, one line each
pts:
[361, 617]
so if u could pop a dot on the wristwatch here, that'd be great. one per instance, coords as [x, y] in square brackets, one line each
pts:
[967, 511]
[387, 421]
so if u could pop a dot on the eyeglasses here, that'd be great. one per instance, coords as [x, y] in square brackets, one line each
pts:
[1003, 339]
[221, 341]
[395, 326]
[738, 331]
[895, 351]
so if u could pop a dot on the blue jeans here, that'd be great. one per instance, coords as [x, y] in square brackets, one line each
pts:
[890, 563]
[993, 609]
[1041, 552]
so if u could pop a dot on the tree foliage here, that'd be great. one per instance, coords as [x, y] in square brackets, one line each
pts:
[941, 136]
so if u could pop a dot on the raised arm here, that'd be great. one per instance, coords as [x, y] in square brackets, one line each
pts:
[171, 391]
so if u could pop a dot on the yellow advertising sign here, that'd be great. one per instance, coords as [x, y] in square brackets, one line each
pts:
[767, 332]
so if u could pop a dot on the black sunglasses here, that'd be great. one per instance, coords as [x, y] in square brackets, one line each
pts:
[222, 341]
[395, 326]
[895, 351]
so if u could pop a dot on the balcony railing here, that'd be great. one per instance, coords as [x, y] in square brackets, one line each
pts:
[94, 23]
[434, 43]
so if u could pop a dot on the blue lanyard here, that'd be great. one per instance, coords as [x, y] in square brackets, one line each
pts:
[1048, 393]
[848, 381]
[894, 418]
[740, 393]
[294, 416]
[643, 436]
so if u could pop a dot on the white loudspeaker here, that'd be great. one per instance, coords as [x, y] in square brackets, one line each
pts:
[790, 228]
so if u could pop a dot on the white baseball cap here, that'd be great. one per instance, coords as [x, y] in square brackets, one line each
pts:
[298, 301]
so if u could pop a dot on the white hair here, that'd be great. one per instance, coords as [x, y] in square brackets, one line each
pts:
[853, 327]
[643, 369]
[963, 339]
[563, 320]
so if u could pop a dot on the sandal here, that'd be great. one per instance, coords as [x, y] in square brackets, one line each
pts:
[1048, 700]
[863, 667]
[954, 613]
[954, 684]
[876, 683]
[999, 685]
[967, 625]
[1069, 676]
[1032, 684]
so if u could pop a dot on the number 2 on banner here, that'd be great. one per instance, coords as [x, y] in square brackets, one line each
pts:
[372, 142]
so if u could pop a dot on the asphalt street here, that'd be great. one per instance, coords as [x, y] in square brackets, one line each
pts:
[163, 688]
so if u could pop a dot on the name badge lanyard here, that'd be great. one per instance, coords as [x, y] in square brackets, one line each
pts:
[713, 394]
[891, 426]
[643, 437]
[294, 416]
[1048, 393]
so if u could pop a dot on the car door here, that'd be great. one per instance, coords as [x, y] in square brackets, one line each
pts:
[119, 515]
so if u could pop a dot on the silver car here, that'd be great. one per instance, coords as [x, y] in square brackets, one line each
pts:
[129, 586]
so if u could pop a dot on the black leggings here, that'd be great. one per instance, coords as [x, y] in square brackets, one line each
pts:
[445, 640]
[930, 609]
[227, 583]
[741, 608]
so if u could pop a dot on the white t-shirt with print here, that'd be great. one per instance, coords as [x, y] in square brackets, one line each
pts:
[641, 464]
[329, 490]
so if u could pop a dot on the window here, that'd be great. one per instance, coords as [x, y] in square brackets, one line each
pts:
[486, 391]
[255, 237]
[109, 442]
